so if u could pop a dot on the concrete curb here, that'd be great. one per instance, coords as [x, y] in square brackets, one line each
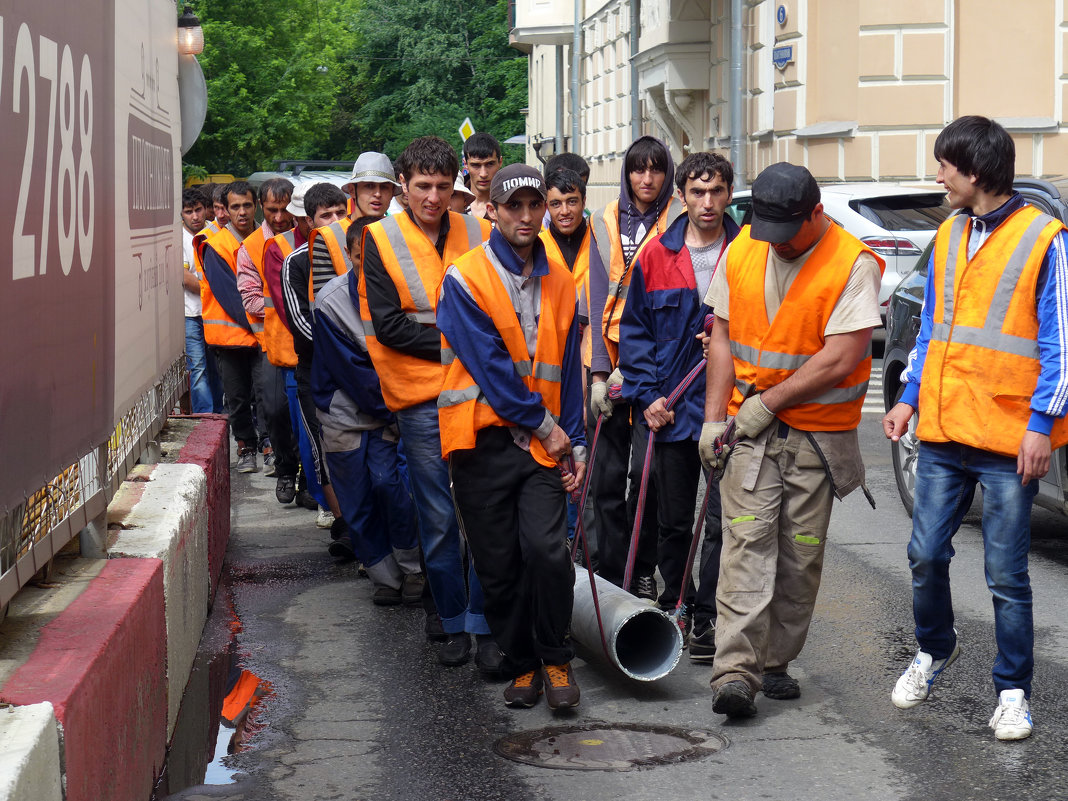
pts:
[29, 754]
[111, 667]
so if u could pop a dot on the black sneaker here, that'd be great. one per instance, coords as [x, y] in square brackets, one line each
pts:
[455, 650]
[781, 686]
[432, 628]
[735, 700]
[645, 587]
[386, 596]
[488, 657]
[305, 499]
[412, 588]
[285, 489]
[339, 529]
[703, 642]
[342, 551]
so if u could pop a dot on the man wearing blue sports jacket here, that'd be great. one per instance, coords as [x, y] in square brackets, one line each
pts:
[661, 333]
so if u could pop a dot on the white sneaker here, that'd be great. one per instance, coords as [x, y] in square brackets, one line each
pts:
[1012, 718]
[325, 518]
[915, 683]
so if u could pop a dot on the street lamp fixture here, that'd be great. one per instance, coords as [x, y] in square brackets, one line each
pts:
[190, 34]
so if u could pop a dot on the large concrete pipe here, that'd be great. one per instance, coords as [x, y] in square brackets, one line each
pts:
[643, 641]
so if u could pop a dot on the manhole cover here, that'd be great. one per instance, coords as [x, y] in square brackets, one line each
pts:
[608, 746]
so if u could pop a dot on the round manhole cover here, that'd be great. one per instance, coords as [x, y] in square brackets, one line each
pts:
[608, 746]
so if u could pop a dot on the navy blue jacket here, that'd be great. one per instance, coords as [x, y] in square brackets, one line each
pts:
[657, 333]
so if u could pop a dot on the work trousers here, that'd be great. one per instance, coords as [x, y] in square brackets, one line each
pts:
[621, 445]
[512, 511]
[275, 410]
[776, 508]
[678, 475]
[304, 446]
[240, 370]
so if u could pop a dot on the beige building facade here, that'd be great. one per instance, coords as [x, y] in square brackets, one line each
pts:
[852, 89]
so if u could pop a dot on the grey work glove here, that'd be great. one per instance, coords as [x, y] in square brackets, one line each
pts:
[752, 418]
[706, 446]
[599, 402]
[615, 378]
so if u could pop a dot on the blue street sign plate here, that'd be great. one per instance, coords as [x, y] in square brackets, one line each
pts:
[781, 56]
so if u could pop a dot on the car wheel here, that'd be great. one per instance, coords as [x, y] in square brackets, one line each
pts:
[904, 454]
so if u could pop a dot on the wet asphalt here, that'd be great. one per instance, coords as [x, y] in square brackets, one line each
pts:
[361, 710]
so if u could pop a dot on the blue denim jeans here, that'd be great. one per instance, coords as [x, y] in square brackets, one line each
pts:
[372, 490]
[205, 387]
[459, 605]
[307, 459]
[946, 476]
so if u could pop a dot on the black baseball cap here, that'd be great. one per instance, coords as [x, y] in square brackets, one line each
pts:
[784, 196]
[509, 180]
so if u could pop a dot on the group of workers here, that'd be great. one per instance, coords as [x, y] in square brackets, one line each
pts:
[436, 360]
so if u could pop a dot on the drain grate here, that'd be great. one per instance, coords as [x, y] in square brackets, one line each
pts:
[608, 746]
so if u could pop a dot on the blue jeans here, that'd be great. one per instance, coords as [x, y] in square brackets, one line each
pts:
[307, 460]
[460, 606]
[946, 476]
[205, 387]
[372, 490]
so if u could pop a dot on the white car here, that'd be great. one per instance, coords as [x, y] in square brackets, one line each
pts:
[894, 220]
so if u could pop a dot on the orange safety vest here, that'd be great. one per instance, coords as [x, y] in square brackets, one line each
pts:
[581, 274]
[277, 340]
[254, 243]
[767, 352]
[413, 263]
[463, 410]
[982, 361]
[334, 237]
[219, 329]
[605, 224]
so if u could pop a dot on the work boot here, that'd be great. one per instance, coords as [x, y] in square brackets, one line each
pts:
[561, 691]
[412, 588]
[342, 550]
[781, 686]
[524, 690]
[432, 628]
[386, 596]
[455, 650]
[285, 489]
[735, 700]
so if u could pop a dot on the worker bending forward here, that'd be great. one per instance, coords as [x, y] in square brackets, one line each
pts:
[510, 414]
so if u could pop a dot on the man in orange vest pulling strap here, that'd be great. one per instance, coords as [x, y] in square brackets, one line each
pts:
[790, 358]
[988, 372]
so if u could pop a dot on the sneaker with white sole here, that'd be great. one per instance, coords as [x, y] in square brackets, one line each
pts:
[1012, 718]
[325, 518]
[914, 685]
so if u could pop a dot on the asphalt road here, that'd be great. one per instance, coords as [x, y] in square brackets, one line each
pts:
[360, 709]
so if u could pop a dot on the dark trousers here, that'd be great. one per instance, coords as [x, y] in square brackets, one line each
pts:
[240, 369]
[274, 408]
[512, 512]
[679, 477]
[619, 446]
[310, 420]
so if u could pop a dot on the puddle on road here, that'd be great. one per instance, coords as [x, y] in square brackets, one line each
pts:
[222, 708]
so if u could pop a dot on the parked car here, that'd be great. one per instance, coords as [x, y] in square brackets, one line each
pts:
[902, 325]
[894, 220]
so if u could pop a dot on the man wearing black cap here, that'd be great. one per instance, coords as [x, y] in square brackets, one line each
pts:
[510, 415]
[789, 358]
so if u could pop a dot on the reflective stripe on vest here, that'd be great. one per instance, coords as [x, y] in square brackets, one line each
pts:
[463, 410]
[605, 224]
[333, 236]
[767, 352]
[277, 340]
[219, 328]
[982, 361]
[413, 264]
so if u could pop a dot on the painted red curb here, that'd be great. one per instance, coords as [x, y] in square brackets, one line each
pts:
[208, 446]
[102, 663]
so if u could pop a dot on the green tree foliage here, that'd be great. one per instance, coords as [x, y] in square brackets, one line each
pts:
[331, 78]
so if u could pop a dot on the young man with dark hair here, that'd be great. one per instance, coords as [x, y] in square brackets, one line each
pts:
[218, 205]
[621, 230]
[482, 157]
[360, 439]
[796, 301]
[207, 194]
[372, 186]
[404, 259]
[227, 327]
[205, 389]
[510, 412]
[660, 339]
[567, 161]
[988, 369]
[324, 205]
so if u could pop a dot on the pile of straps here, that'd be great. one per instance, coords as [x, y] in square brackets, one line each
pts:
[727, 440]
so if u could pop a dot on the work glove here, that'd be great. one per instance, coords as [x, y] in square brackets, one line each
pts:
[615, 378]
[599, 402]
[752, 418]
[706, 446]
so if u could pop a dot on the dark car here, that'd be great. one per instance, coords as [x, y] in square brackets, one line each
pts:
[902, 325]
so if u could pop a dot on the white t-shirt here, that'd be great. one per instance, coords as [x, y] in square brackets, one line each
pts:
[192, 299]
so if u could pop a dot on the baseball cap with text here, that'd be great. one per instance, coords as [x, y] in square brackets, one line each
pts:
[514, 177]
[784, 196]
